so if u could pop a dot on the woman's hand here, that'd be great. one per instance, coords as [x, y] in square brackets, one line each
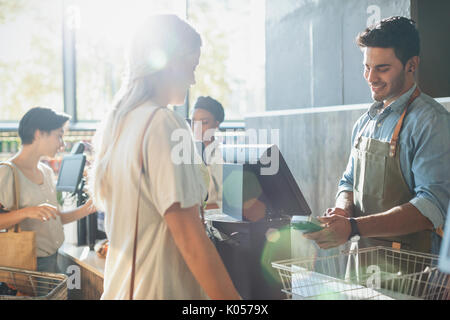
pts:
[42, 212]
[199, 253]
[78, 213]
[89, 207]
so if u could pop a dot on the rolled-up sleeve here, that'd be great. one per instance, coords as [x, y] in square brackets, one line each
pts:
[429, 210]
[431, 169]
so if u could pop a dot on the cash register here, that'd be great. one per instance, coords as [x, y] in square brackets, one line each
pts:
[252, 229]
[71, 180]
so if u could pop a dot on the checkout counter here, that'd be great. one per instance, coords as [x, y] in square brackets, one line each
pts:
[77, 258]
[85, 270]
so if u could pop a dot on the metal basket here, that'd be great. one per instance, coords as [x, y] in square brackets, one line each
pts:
[33, 285]
[376, 273]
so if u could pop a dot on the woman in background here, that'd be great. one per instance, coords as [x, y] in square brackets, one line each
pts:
[41, 132]
[174, 257]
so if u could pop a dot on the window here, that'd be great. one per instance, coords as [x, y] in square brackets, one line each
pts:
[34, 54]
[30, 56]
[232, 64]
[102, 31]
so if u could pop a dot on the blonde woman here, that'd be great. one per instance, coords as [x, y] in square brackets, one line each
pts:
[174, 257]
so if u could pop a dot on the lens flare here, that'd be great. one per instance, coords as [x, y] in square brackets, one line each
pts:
[276, 247]
[158, 60]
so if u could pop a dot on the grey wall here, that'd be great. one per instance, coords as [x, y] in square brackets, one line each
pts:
[433, 23]
[311, 56]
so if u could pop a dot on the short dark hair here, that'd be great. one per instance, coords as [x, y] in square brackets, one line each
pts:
[40, 118]
[395, 32]
[211, 105]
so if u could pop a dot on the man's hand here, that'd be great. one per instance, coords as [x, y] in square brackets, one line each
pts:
[337, 211]
[336, 232]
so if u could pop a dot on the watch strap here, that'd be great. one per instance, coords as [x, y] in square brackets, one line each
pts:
[354, 228]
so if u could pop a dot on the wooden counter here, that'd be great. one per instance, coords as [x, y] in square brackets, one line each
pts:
[91, 271]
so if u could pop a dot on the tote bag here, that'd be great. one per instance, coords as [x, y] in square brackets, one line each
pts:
[17, 247]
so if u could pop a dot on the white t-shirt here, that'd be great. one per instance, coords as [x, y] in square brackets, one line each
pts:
[49, 234]
[161, 272]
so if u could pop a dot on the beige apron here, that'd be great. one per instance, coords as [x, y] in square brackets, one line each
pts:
[379, 185]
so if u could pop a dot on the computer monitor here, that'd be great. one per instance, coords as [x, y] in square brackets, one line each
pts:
[70, 173]
[258, 184]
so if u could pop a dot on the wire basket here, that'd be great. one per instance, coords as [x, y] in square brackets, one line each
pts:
[376, 273]
[33, 285]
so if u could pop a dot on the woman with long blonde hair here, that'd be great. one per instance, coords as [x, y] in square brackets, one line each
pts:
[174, 258]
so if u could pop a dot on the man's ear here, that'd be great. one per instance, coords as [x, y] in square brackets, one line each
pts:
[412, 64]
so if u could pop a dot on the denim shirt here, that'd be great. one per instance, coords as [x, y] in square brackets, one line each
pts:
[424, 144]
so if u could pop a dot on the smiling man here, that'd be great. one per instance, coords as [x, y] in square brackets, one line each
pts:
[396, 187]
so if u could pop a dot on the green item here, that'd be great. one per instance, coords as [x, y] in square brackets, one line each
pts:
[306, 224]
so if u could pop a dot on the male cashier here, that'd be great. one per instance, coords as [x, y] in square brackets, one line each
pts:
[396, 187]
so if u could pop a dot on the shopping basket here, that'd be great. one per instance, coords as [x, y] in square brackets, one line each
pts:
[377, 273]
[33, 285]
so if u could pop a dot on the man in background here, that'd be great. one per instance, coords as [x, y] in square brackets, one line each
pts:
[207, 116]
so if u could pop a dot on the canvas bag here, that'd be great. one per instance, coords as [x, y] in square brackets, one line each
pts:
[17, 248]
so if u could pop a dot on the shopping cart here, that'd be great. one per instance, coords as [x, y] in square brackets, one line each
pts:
[33, 285]
[377, 273]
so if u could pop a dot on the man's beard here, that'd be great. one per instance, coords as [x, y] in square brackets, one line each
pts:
[396, 87]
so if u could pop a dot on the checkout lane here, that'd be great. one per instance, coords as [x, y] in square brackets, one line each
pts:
[250, 232]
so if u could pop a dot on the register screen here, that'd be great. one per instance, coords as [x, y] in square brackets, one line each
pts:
[70, 173]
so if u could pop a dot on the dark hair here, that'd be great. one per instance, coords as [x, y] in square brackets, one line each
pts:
[39, 118]
[211, 105]
[396, 32]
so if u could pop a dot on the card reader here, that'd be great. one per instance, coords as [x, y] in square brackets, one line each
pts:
[306, 224]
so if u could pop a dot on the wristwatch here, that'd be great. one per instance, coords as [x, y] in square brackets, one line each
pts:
[354, 233]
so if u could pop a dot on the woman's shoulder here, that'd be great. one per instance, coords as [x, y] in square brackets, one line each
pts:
[170, 119]
[7, 182]
[170, 114]
[160, 114]
[5, 171]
